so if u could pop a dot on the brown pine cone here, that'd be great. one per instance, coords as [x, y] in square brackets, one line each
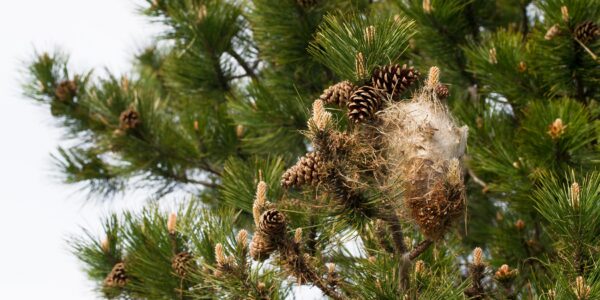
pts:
[441, 90]
[66, 90]
[181, 263]
[261, 247]
[394, 79]
[117, 278]
[338, 93]
[307, 170]
[129, 119]
[272, 223]
[587, 32]
[364, 103]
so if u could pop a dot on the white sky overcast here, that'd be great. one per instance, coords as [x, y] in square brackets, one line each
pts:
[37, 212]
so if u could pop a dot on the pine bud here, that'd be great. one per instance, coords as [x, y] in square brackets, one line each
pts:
[479, 122]
[419, 267]
[551, 294]
[220, 256]
[575, 195]
[360, 66]
[298, 235]
[556, 129]
[492, 56]
[321, 118]
[520, 224]
[522, 67]
[552, 32]
[242, 238]
[239, 131]
[505, 275]
[261, 286]
[172, 223]
[564, 11]
[427, 6]
[499, 216]
[582, 290]
[478, 256]
[330, 268]
[433, 78]
[259, 202]
[202, 13]
[196, 125]
[408, 242]
[370, 34]
[372, 259]
[125, 83]
[105, 245]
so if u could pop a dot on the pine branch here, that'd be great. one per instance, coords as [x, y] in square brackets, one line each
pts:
[242, 62]
[419, 249]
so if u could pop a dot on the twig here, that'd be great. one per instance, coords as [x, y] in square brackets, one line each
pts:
[419, 249]
[303, 270]
[240, 60]
[476, 179]
[397, 236]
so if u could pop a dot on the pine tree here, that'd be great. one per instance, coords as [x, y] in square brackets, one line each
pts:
[439, 127]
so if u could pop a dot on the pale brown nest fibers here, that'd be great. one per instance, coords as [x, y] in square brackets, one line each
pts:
[423, 152]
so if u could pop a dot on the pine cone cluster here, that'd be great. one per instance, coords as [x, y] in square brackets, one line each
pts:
[587, 32]
[261, 246]
[394, 79]
[308, 169]
[66, 90]
[117, 278]
[364, 103]
[338, 93]
[129, 119]
[181, 263]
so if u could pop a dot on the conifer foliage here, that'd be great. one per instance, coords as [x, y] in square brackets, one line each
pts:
[401, 149]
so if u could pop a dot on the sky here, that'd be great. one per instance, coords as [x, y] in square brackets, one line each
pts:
[38, 213]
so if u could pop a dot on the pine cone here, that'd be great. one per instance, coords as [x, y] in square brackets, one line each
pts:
[394, 79]
[181, 263]
[129, 119]
[442, 92]
[364, 103]
[587, 32]
[338, 93]
[117, 278]
[307, 170]
[261, 247]
[272, 223]
[66, 90]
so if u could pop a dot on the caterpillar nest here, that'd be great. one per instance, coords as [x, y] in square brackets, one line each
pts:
[424, 150]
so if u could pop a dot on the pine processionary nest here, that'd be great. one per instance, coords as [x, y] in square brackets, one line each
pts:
[424, 148]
